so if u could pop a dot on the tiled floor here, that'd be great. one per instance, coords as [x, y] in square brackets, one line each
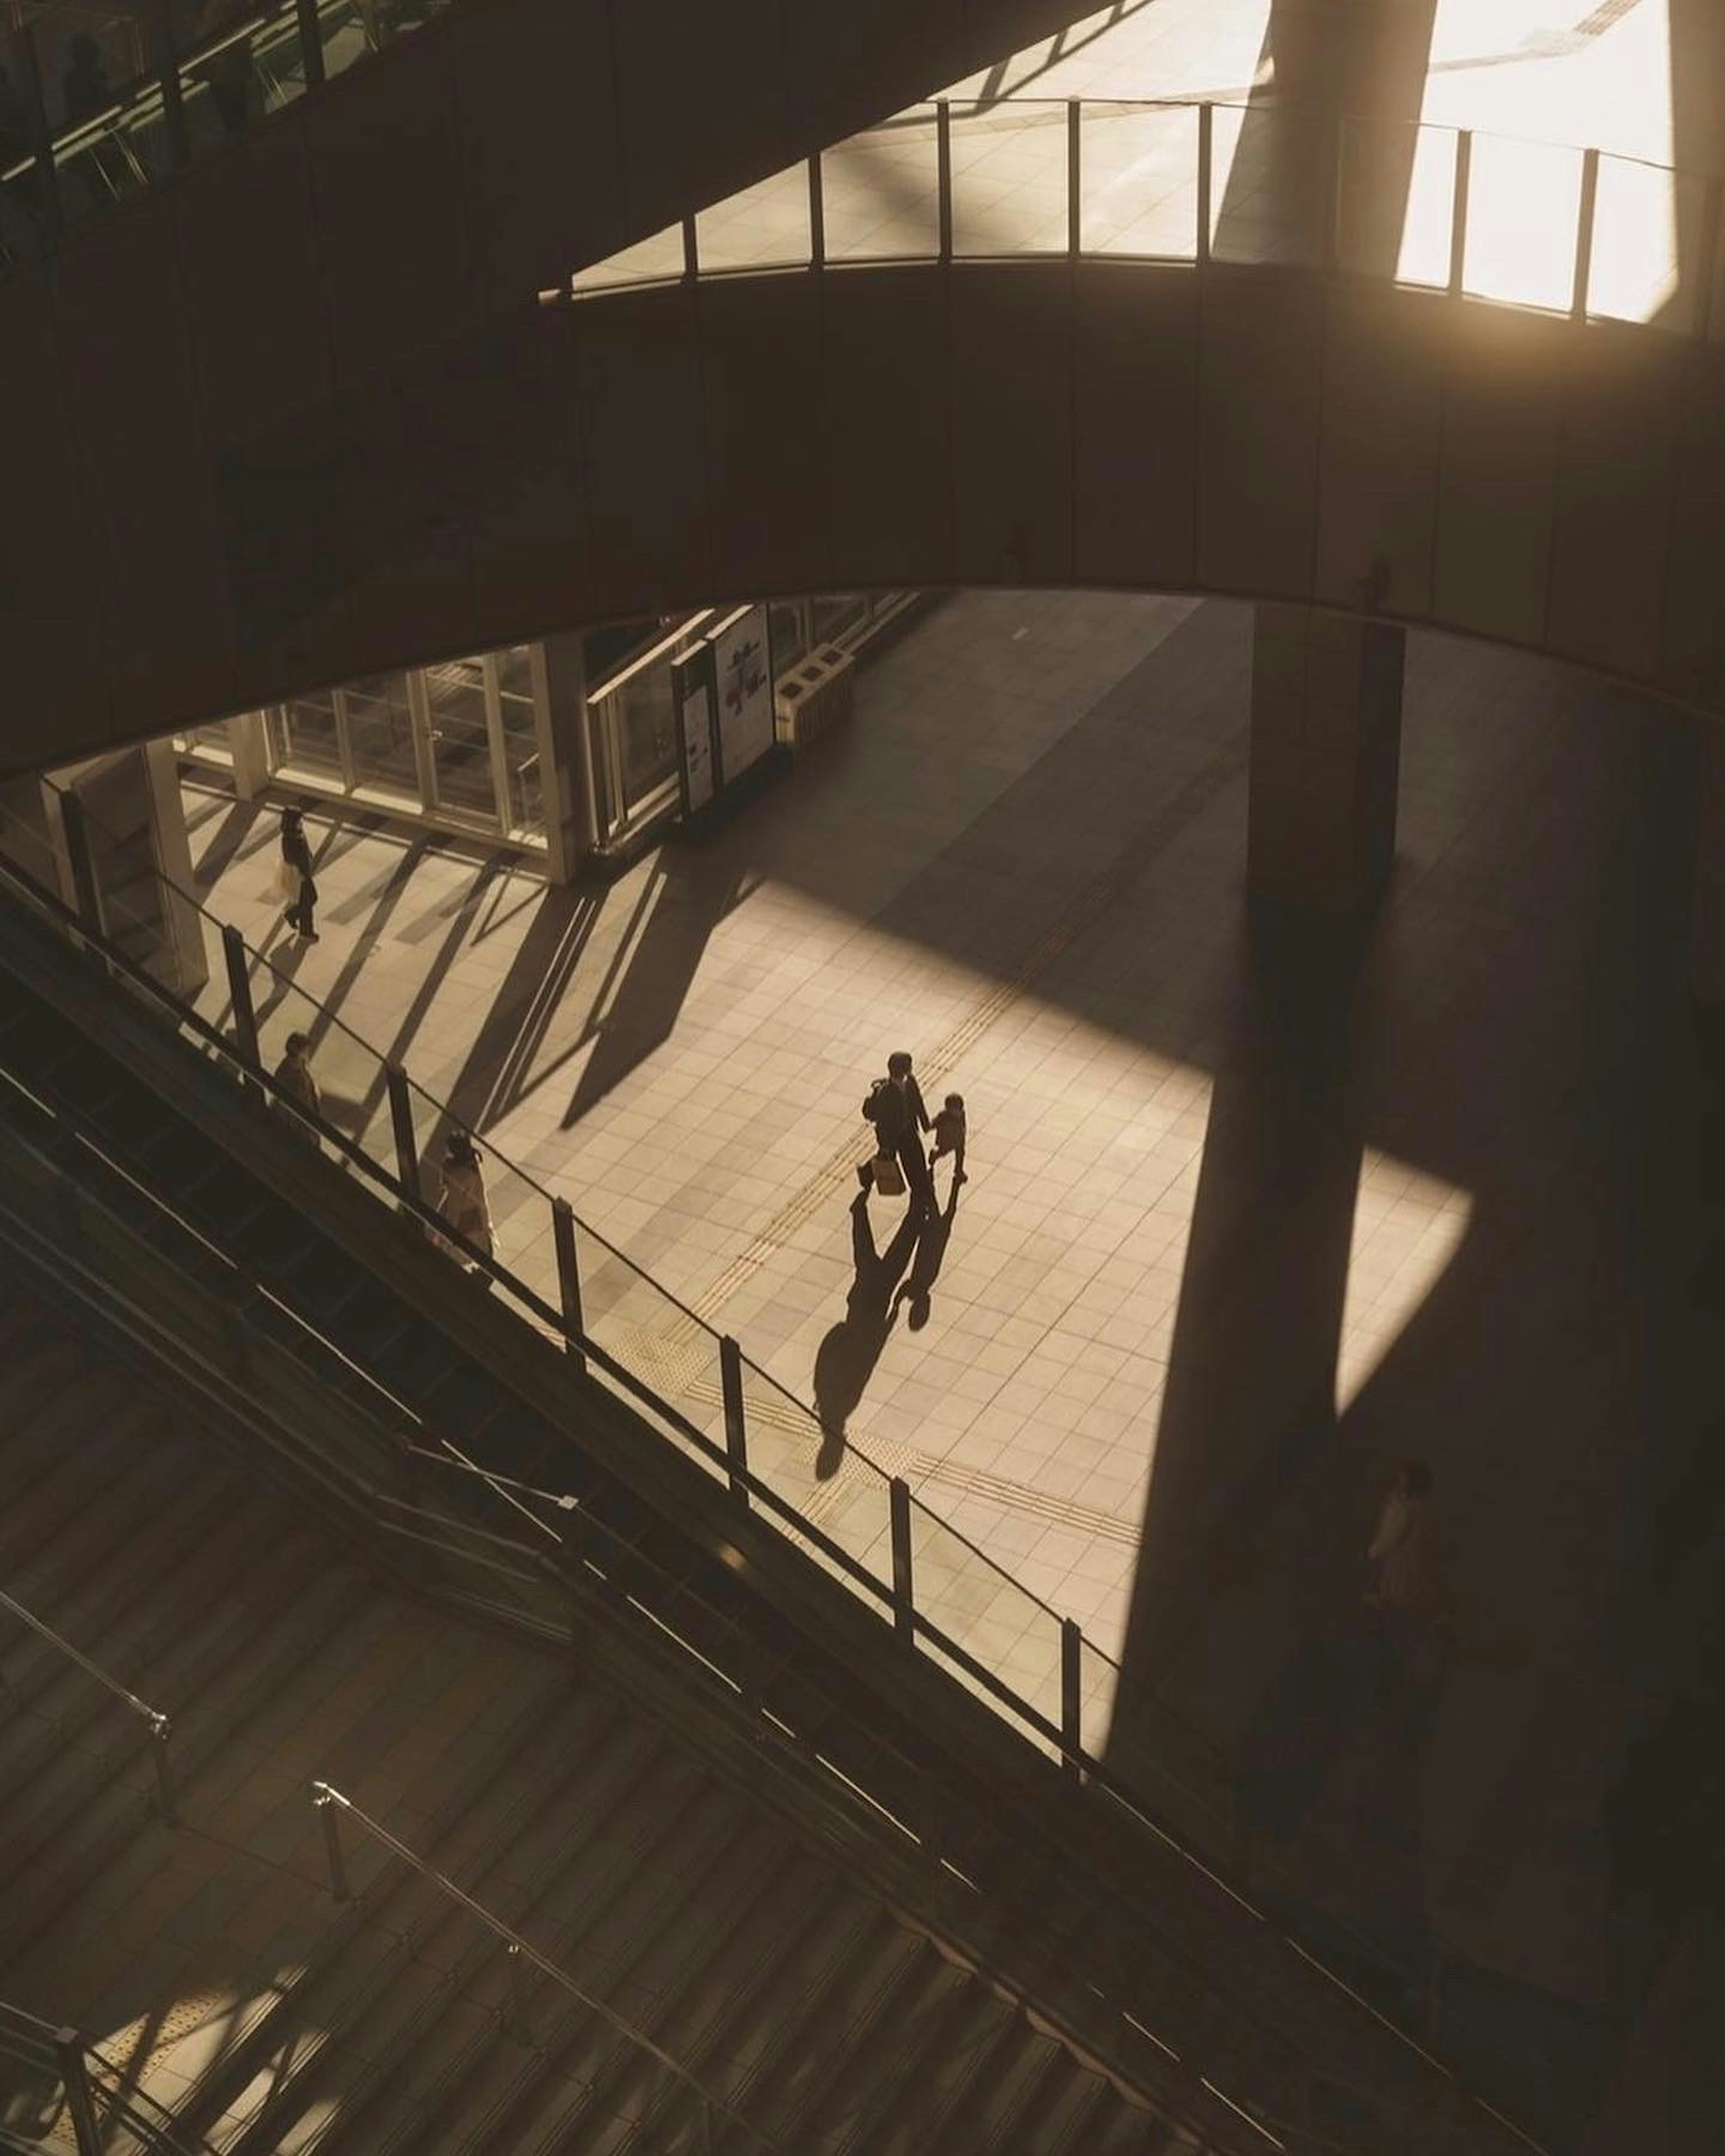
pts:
[1248, 1217]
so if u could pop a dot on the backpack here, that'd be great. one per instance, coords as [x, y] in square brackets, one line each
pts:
[872, 1102]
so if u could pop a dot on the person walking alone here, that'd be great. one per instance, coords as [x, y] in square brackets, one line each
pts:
[894, 1107]
[461, 1197]
[302, 1104]
[297, 885]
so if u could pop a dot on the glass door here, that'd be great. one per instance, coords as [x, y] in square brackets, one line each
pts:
[460, 735]
[380, 734]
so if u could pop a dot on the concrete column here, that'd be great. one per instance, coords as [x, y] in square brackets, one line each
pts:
[1706, 943]
[249, 740]
[559, 677]
[142, 858]
[1326, 712]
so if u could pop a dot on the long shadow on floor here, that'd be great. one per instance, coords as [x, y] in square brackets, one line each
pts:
[846, 1359]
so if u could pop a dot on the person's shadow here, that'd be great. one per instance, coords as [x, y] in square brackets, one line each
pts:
[845, 1359]
[918, 1285]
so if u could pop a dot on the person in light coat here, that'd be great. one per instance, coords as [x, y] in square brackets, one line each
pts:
[461, 1200]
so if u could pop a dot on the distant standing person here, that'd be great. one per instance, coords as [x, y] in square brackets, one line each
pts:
[894, 1107]
[1402, 1548]
[461, 1197]
[84, 88]
[297, 885]
[302, 1104]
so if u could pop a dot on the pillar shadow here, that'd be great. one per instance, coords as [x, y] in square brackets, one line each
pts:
[846, 1359]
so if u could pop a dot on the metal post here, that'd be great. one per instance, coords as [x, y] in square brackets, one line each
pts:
[1074, 182]
[562, 1235]
[401, 1116]
[817, 216]
[87, 894]
[736, 1436]
[168, 78]
[515, 2013]
[311, 42]
[1458, 208]
[1705, 299]
[340, 1891]
[1206, 144]
[904, 1604]
[943, 174]
[239, 993]
[79, 2101]
[167, 1800]
[1072, 1697]
[1585, 235]
[691, 252]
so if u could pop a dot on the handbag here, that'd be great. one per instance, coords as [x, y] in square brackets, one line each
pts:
[889, 1178]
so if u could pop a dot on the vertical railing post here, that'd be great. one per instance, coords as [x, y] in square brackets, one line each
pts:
[1458, 208]
[340, 1891]
[817, 216]
[1074, 178]
[1206, 164]
[1585, 235]
[514, 2012]
[86, 894]
[563, 1236]
[311, 42]
[904, 1602]
[1072, 1697]
[80, 2102]
[240, 994]
[691, 249]
[167, 79]
[401, 1117]
[167, 1799]
[943, 175]
[737, 1435]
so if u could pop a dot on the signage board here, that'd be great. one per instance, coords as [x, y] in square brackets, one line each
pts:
[742, 684]
[692, 689]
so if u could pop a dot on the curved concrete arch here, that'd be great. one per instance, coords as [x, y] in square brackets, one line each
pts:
[1254, 433]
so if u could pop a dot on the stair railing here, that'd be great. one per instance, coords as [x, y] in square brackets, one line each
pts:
[68, 2082]
[331, 1803]
[896, 1599]
[156, 1722]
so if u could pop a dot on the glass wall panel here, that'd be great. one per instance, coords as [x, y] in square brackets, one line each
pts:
[1271, 183]
[836, 611]
[305, 737]
[765, 227]
[1523, 202]
[788, 623]
[1635, 275]
[1397, 200]
[1010, 184]
[647, 731]
[380, 734]
[880, 192]
[1138, 173]
[520, 740]
[461, 739]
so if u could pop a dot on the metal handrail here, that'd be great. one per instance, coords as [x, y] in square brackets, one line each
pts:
[1093, 1771]
[153, 1718]
[324, 1795]
[913, 1623]
[84, 2070]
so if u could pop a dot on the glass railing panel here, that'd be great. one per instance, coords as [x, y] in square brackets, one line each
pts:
[1009, 178]
[240, 73]
[765, 227]
[657, 261]
[880, 192]
[1523, 204]
[1137, 179]
[1634, 273]
[981, 1608]
[108, 164]
[349, 31]
[1177, 1773]
[1272, 176]
[1396, 201]
[666, 1349]
[834, 1487]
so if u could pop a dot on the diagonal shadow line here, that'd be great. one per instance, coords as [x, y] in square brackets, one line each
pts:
[393, 887]
[225, 844]
[494, 1078]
